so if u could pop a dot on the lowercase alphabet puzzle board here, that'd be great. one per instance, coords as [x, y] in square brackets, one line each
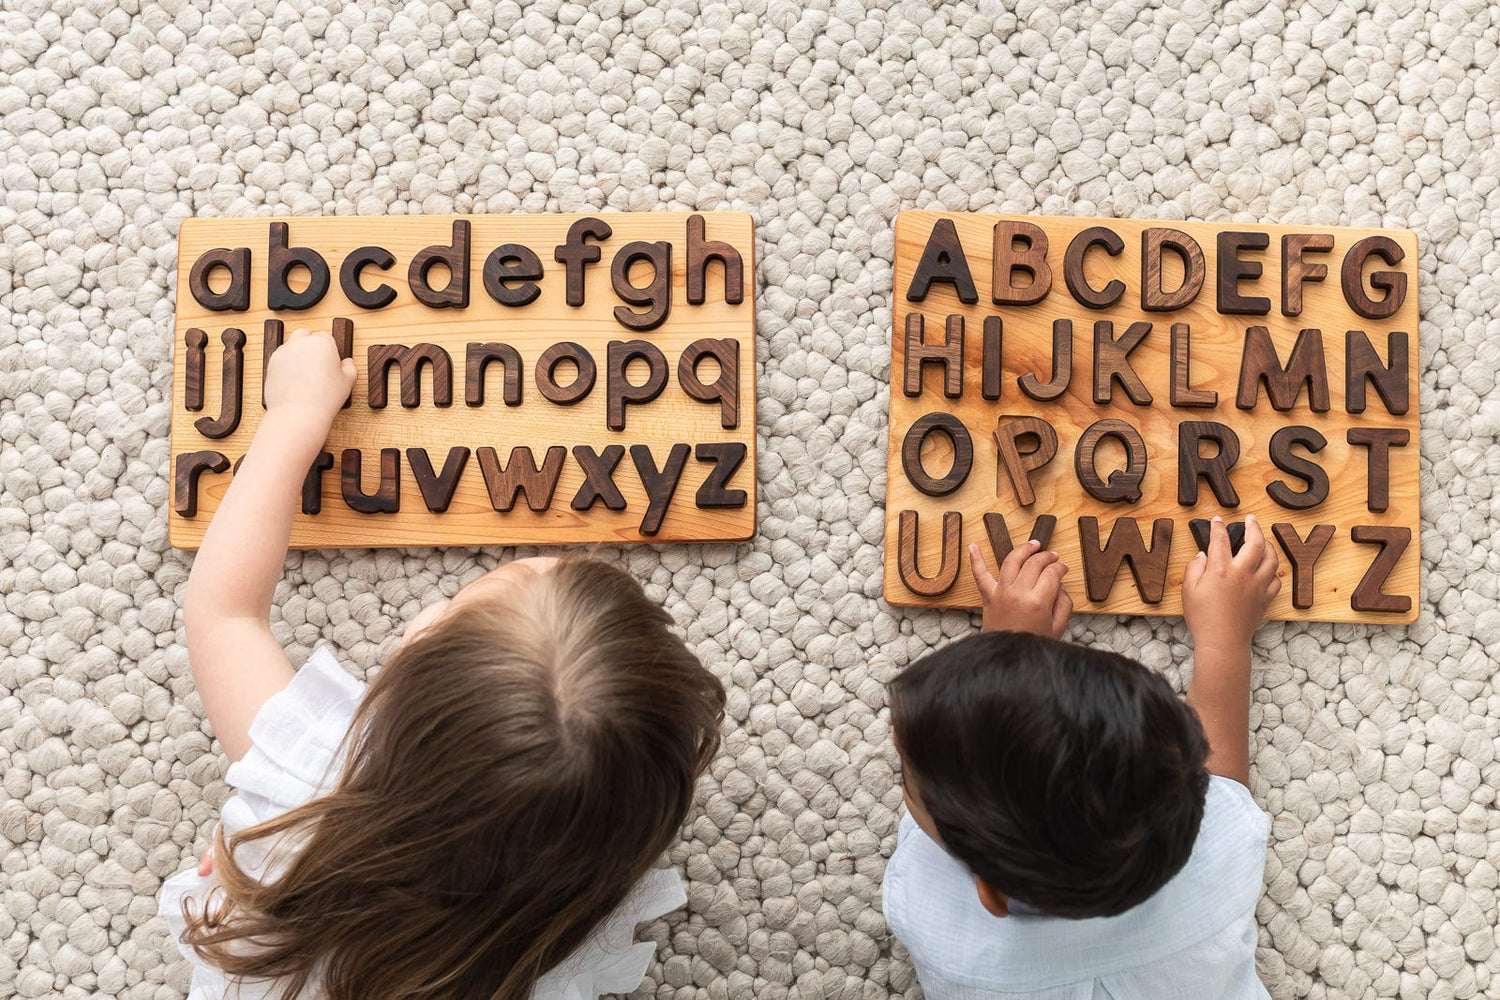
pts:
[522, 379]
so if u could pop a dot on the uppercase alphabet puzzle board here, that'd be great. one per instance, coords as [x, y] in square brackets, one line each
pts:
[1108, 385]
[522, 379]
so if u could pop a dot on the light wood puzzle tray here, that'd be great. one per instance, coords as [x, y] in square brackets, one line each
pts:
[618, 348]
[1126, 377]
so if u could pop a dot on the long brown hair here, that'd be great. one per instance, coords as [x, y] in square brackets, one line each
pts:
[513, 771]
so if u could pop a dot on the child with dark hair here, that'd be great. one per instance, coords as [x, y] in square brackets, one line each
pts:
[1074, 830]
[485, 819]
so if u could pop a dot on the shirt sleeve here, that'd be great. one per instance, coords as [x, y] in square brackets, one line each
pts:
[295, 743]
[296, 739]
[1242, 811]
[611, 960]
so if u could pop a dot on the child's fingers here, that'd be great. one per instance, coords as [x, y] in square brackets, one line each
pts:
[1269, 562]
[1252, 549]
[1219, 555]
[1049, 581]
[982, 577]
[1263, 569]
[1010, 569]
[1031, 572]
[303, 333]
[1062, 607]
[1194, 572]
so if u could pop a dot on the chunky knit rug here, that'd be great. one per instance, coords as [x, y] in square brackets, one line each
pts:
[1374, 748]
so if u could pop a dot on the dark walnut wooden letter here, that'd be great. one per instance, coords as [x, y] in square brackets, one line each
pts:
[598, 477]
[1077, 281]
[999, 534]
[1393, 542]
[1041, 440]
[963, 453]
[1112, 362]
[1123, 484]
[409, 362]
[1183, 393]
[1380, 441]
[437, 488]
[477, 358]
[1309, 472]
[1147, 566]
[660, 484]
[1363, 366]
[387, 497]
[1260, 363]
[906, 554]
[700, 252]
[235, 298]
[1154, 242]
[1202, 530]
[619, 390]
[546, 373]
[1062, 366]
[943, 261]
[196, 342]
[522, 475]
[191, 465]
[949, 355]
[1303, 554]
[727, 457]
[725, 389]
[1392, 283]
[312, 483]
[1192, 464]
[1295, 271]
[232, 388]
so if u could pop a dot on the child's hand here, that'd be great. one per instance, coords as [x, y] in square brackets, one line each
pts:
[306, 372]
[1224, 597]
[1028, 595]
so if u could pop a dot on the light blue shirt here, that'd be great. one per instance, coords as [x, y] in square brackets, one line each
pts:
[1194, 939]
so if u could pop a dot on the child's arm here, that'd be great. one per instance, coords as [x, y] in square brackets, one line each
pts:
[1027, 595]
[237, 663]
[1224, 598]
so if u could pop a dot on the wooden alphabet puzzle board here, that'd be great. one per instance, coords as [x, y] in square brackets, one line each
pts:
[522, 379]
[1101, 384]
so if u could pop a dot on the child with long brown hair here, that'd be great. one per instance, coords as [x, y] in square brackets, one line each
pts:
[485, 820]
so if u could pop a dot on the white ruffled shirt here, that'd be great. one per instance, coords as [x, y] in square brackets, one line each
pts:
[1194, 940]
[294, 757]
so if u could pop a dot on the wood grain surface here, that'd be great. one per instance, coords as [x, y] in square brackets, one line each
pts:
[1334, 420]
[450, 458]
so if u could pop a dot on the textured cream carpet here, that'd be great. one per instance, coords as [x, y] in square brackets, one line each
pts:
[1375, 748]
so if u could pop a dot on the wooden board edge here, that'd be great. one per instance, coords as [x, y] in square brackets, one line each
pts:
[175, 527]
[890, 580]
[907, 216]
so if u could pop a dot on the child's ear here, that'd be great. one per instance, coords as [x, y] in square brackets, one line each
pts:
[992, 899]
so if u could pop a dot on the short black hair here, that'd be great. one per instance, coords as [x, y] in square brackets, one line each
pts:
[1071, 779]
